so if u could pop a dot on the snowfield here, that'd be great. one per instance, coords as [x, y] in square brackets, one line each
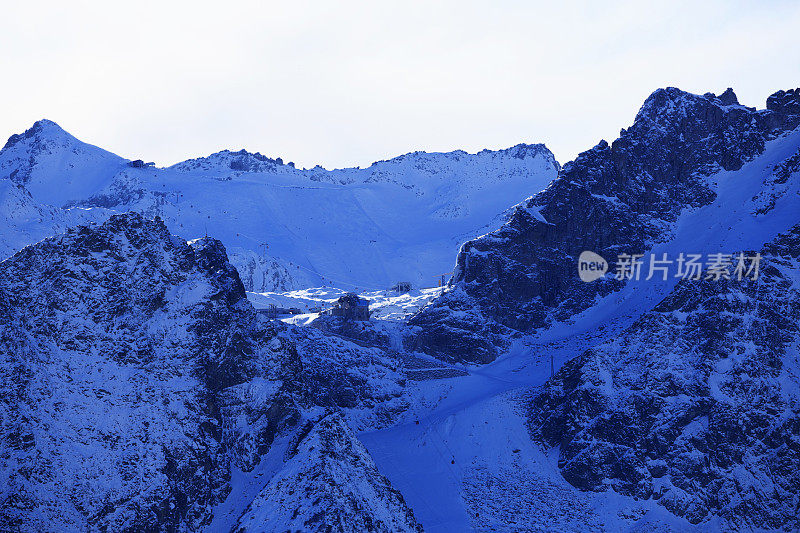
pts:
[383, 305]
[287, 228]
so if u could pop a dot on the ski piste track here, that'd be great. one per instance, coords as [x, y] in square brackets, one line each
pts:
[431, 458]
[479, 424]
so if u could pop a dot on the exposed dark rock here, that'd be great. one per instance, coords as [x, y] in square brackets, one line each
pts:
[728, 97]
[695, 405]
[618, 198]
[785, 102]
[123, 305]
[134, 373]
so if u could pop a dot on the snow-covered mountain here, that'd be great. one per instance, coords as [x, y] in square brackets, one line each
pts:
[141, 390]
[288, 228]
[137, 380]
[678, 174]
[55, 166]
[696, 405]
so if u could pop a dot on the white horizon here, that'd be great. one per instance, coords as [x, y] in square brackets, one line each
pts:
[348, 84]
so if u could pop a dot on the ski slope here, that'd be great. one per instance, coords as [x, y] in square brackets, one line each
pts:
[287, 228]
[467, 462]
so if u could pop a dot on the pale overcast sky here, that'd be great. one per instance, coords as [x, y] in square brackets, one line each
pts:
[347, 83]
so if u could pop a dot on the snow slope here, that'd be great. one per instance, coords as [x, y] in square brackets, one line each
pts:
[25, 221]
[458, 468]
[470, 465]
[287, 228]
[397, 220]
[56, 167]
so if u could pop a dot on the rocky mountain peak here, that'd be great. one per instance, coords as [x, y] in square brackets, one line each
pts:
[133, 225]
[54, 166]
[237, 161]
[524, 151]
[117, 325]
[671, 108]
[728, 97]
[785, 102]
[42, 130]
[624, 196]
[668, 102]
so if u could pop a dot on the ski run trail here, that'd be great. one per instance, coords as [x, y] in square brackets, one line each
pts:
[468, 463]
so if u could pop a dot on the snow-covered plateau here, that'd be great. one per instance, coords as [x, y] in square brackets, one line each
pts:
[217, 346]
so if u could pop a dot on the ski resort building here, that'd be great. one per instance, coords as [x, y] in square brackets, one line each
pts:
[402, 287]
[350, 307]
[273, 311]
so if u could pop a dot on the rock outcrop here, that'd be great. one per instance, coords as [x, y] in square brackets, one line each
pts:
[135, 375]
[696, 405]
[329, 483]
[615, 198]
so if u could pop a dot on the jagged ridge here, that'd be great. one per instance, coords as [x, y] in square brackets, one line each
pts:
[135, 375]
[618, 198]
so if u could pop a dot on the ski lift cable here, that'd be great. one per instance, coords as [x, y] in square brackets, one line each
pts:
[340, 281]
[431, 426]
[348, 283]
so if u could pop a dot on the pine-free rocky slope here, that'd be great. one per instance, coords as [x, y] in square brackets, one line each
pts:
[136, 378]
[618, 198]
[696, 404]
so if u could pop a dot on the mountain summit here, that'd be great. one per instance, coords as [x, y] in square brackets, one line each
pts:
[284, 227]
[55, 166]
[679, 156]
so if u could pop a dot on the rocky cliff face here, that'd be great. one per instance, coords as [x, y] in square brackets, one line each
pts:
[617, 198]
[329, 483]
[135, 375]
[113, 340]
[695, 405]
